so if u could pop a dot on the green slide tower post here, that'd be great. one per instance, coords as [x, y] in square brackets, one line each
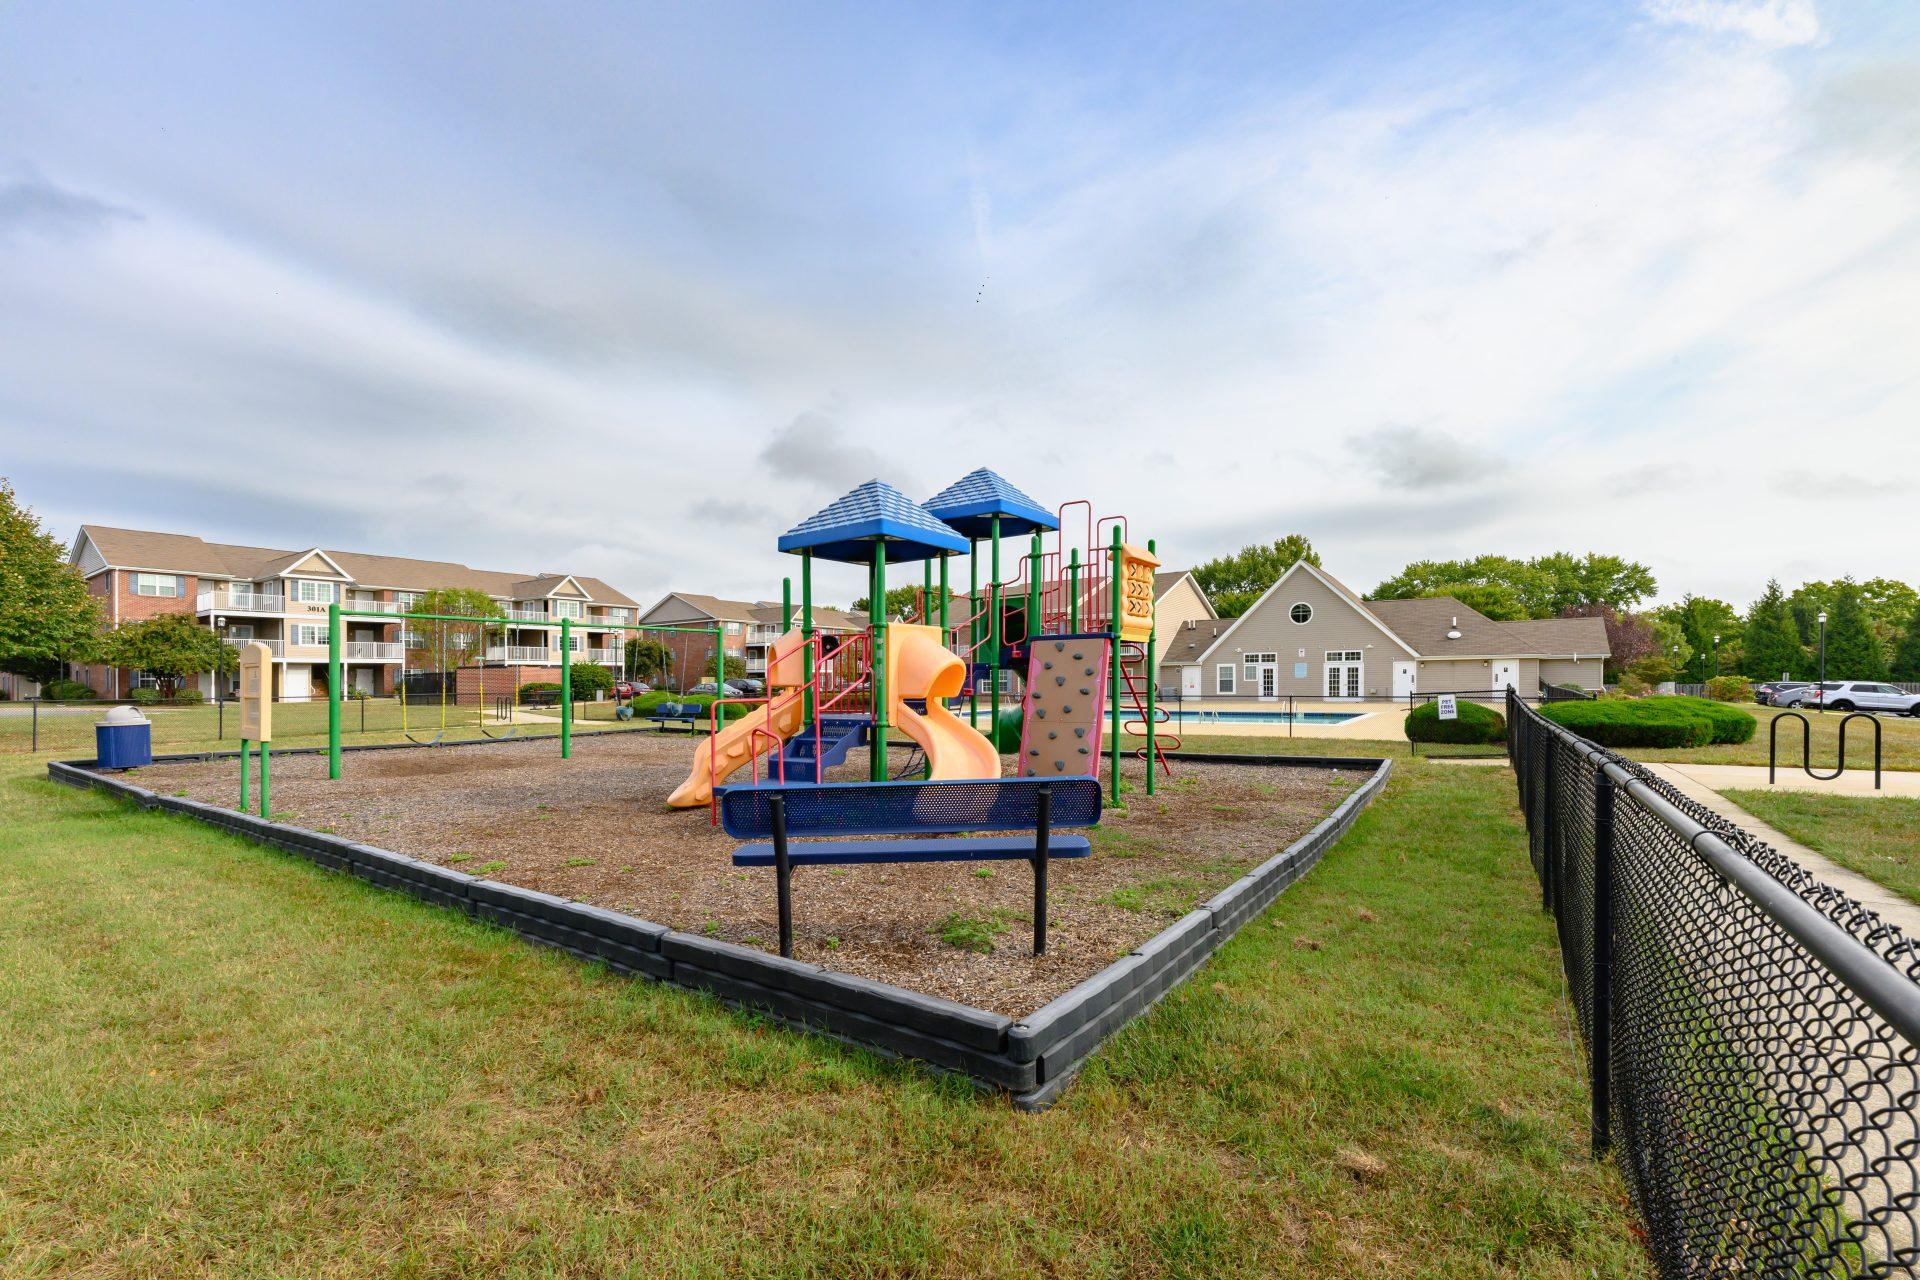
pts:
[877, 616]
[806, 633]
[973, 628]
[333, 697]
[944, 557]
[1113, 631]
[1034, 618]
[994, 638]
[566, 689]
[1073, 590]
[786, 605]
[720, 665]
[1153, 644]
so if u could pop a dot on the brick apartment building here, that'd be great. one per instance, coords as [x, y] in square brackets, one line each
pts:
[281, 597]
[748, 630]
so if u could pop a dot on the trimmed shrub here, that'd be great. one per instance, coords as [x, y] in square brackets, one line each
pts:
[67, 691]
[538, 686]
[1730, 689]
[144, 696]
[1653, 722]
[646, 703]
[1475, 725]
[588, 680]
[190, 697]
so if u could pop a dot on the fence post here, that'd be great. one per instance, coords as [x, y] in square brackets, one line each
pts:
[1549, 819]
[36, 725]
[1600, 1040]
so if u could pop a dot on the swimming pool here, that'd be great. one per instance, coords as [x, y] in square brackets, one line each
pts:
[1263, 717]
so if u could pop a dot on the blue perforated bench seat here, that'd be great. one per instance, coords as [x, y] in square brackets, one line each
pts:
[1036, 807]
[853, 853]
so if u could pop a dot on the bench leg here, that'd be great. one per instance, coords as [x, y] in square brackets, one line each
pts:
[783, 875]
[1043, 817]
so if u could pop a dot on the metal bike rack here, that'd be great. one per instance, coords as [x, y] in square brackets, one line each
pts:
[1806, 746]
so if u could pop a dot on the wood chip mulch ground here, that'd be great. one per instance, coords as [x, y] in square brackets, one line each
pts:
[595, 829]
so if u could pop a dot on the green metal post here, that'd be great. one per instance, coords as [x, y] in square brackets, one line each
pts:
[245, 754]
[566, 689]
[943, 599]
[1033, 590]
[333, 697]
[877, 610]
[719, 663]
[786, 605]
[1073, 589]
[926, 592]
[266, 754]
[994, 637]
[1153, 644]
[806, 631]
[1113, 630]
[973, 628]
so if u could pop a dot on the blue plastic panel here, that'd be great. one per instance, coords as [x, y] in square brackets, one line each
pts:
[822, 853]
[909, 808]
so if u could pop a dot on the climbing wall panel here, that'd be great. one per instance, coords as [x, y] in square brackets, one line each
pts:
[1065, 707]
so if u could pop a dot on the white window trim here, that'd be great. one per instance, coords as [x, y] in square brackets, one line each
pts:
[1300, 604]
[1223, 678]
[300, 586]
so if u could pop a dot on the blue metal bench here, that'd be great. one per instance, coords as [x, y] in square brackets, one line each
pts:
[916, 809]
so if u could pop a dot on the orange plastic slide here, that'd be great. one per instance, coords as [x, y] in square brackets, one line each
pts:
[733, 746]
[920, 666]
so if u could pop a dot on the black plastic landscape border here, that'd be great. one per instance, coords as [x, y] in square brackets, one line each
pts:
[1032, 1058]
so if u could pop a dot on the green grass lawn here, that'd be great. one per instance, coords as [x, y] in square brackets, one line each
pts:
[1877, 836]
[215, 1058]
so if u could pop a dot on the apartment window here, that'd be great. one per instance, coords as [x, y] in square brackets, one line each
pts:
[1345, 655]
[616, 615]
[159, 584]
[308, 591]
[310, 633]
[573, 644]
[143, 680]
[733, 628]
[406, 600]
[566, 608]
[240, 634]
[1223, 678]
[1302, 612]
[413, 640]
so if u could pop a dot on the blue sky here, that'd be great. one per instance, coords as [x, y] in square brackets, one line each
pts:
[631, 291]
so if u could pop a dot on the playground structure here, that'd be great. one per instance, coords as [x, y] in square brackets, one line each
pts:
[827, 694]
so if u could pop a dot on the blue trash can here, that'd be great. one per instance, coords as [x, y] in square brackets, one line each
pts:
[124, 740]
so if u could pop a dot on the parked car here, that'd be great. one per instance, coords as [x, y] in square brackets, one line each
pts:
[1791, 697]
[705, 688]
[754, 688]
[1863, 695]
[630, 688]
[1770, 693]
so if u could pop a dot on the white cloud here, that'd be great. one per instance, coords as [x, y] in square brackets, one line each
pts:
[1775, 24]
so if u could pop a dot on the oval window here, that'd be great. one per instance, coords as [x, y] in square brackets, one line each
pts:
[1302, 612]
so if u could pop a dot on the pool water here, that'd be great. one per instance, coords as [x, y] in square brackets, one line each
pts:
[1263, 717]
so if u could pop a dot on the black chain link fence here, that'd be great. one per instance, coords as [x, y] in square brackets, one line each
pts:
[1750, 1032]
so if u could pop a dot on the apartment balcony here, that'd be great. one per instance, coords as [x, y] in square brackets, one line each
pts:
[603, 657]
[530, 615]
[370, 606]
[239, 602]
[756, 666]
[372, 651]
[536, 654]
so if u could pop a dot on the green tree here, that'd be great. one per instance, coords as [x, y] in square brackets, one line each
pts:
[735, 666]
[1669, 642]
[1234, 582]
[1546, 586]
[1906, 655]
[902, 603]
[47, 619]
[1887, 604]
[445, 645]
[1492, 599]
[1700, 619]
[648, 659]
[1771, 642]
[172, 646]
[1853, 651]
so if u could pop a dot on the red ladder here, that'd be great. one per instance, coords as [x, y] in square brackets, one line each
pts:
[1136, 724]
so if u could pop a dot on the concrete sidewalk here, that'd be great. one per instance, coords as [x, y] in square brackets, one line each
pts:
[1854, 782]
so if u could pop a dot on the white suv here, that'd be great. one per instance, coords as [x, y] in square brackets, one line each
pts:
[1862, 695]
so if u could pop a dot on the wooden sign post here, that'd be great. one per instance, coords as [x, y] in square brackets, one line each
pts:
[256, 713]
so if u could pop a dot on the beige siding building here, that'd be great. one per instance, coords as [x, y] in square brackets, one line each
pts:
[1311, 636]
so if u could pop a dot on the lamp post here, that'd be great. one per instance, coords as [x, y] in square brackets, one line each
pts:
[1821, 684]
[1716, 657]
[220, 674]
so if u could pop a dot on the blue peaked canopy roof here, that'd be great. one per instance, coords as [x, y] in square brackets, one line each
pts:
[970, 504]
[875, 512]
